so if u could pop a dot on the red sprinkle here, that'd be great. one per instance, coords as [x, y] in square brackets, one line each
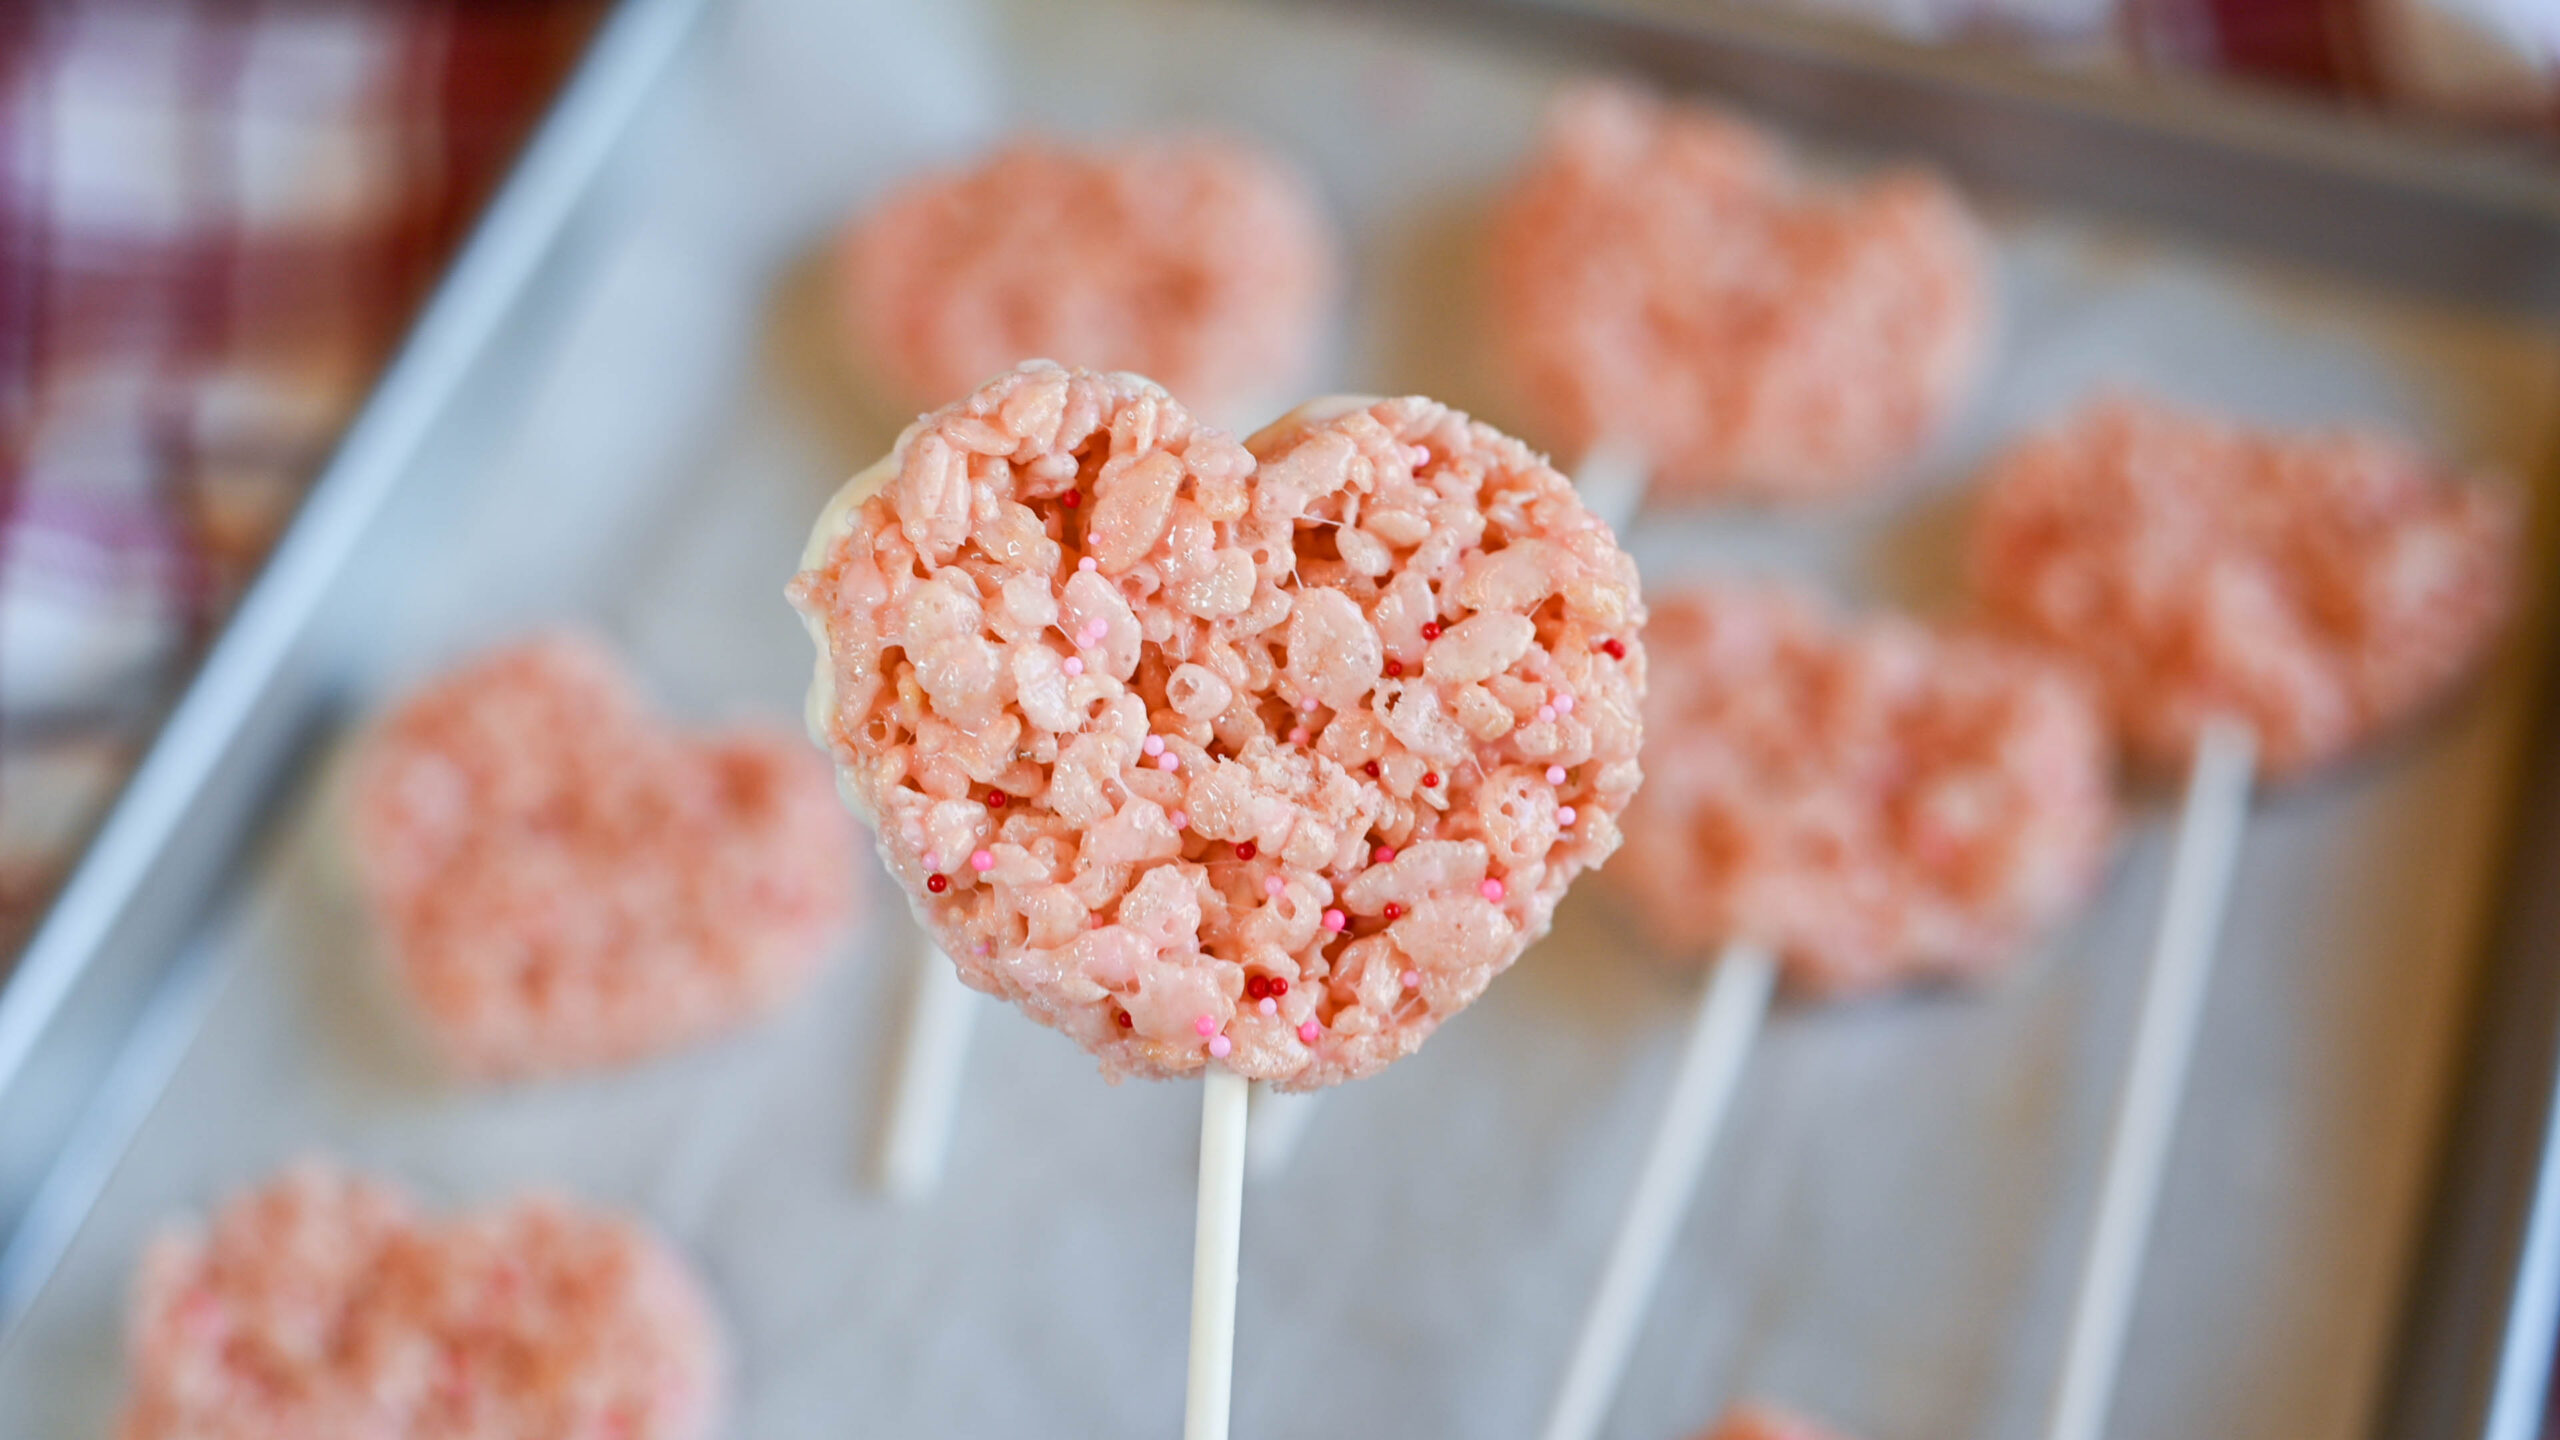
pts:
[1072, 499]
[1430, 779]
[1430, 629]
[997, 799]
[1279, 987]
[1394, 668]
[1246, 850]
[1393, 912]
[1616, 650]
[1257, 987]
[1123, 1017]
[936, 883]
[1370, 769]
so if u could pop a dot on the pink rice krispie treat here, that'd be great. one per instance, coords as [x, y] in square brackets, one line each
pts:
[1760, 1422]
[2319, 587]
[1271, 755]
[1202, 261]
[322, 1307]
[1663, 278]
[565, 882]
[1875, 802]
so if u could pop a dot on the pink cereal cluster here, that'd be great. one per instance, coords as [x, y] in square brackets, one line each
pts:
[564, 882]
[1761, 1422]
[1662, 277]
[1876, 802]
[322, 1307]
[2317, 586]
[1201, 261]
[1273, 755]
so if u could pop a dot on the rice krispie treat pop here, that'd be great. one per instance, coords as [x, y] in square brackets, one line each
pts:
[2243, 597]
[1258, 760]
[322, 1306]
[1852, 806]
[1675, 301]
[1202, 261]
[564, 882]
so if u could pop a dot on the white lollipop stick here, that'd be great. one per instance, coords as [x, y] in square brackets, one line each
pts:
[2209, 829]
[940, 1013]
[1280, 1121]
[1729, 1015]
[1612, 480]
[1218, 1233]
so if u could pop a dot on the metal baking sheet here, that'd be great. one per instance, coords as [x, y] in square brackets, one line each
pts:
[1887, 1234]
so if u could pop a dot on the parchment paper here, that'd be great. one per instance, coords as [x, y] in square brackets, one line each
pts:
[1888, 1231]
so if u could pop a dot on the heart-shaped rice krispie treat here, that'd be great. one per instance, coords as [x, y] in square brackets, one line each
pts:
[1876, 802]
[1271, 755]
[1200, 260]
[1663, 278]
[566, 881]
[323, 1307]
[2319, 587]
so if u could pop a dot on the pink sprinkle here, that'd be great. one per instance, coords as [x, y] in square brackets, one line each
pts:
[1421, 456]
[1206, 1026]
[1097, 628]
[1555, 774]
[1168, 761]
[1308, 705]
[1411, 979]
[1074, 665]
[982, 950]
[1564, 702]
[1546, 712]
[1088, 564]
[1298, 736]
[1273, 885]
[983, 861]
[1154, 745]
[1491, 890]
[1382, 855]
[1334, 920]
[1565, 815]
[933, 859]
[1308, 1032]
[1268, 1006]
[1181, 819]
[1220, 1047]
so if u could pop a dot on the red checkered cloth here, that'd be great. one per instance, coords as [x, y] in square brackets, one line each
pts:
[216, 217]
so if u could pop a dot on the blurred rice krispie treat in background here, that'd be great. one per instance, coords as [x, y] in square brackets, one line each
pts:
[215, 222]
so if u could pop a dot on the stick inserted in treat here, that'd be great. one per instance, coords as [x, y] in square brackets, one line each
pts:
[2208, 847]
[1232, 761]
[1612, 480]
[1216, 1240]
[933, 1055]
[2253, 604]
[1795, 818]
[1730, 1010]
